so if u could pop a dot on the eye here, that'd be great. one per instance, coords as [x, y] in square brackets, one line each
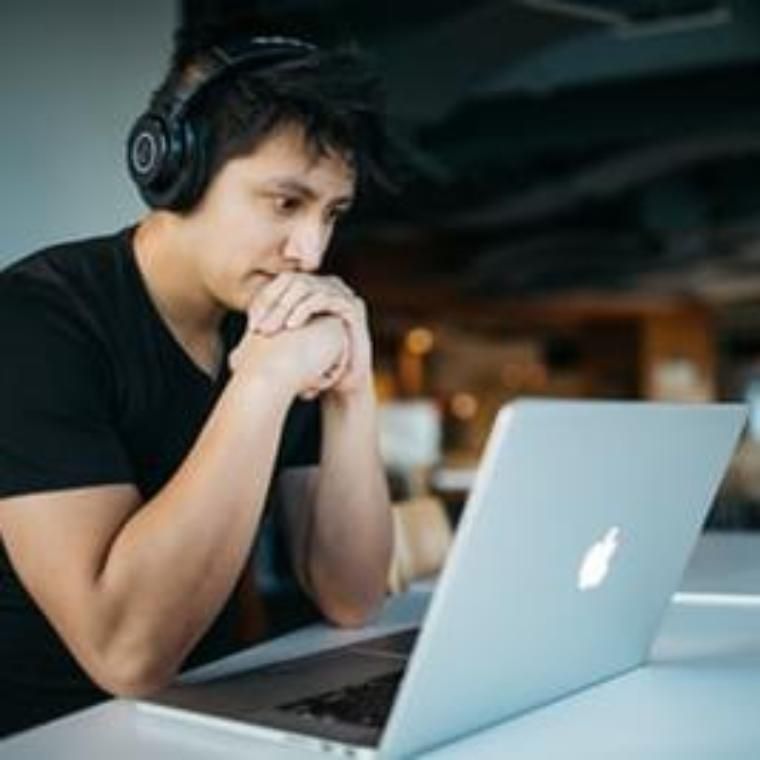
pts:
[336, 213]
[286, 204]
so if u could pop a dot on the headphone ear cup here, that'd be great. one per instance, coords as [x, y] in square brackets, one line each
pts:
[167, 161]
[149, 154]
[156, 149]
[191, 178]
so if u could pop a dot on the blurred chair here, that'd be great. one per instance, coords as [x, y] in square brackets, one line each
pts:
[422, 537]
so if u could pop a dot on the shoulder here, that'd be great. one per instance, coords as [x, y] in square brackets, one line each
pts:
[68, 285]
[71, 265]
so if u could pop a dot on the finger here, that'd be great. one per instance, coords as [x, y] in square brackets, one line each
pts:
[334, 374]
[274, 320]
[343, 377]
[359, 360]
[268, 312]
[328, 380]
[267, 298]
[341, 286]
[318, 303]
[339, 369]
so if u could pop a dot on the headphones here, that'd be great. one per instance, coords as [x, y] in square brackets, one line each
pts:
[166, 147]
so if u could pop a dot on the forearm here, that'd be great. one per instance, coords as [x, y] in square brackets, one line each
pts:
[174, 563]
[351, 537]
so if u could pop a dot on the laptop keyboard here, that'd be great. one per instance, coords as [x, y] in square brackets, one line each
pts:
[367, 704]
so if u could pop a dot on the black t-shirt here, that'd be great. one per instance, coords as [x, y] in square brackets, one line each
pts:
[94, 389]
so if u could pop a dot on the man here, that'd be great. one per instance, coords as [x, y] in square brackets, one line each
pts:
[161, 386]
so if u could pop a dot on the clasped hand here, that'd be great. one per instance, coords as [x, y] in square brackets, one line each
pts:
[292, 300]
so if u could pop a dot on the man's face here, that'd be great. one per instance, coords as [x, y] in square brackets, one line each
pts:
[269, 212]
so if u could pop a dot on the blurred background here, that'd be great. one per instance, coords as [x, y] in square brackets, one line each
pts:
[582, 218]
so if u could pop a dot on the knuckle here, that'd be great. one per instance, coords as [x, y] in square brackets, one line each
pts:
[309, 280]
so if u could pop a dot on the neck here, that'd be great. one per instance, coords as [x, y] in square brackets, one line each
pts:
[171, 279]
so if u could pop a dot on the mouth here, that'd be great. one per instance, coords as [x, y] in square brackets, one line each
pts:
[261, 278]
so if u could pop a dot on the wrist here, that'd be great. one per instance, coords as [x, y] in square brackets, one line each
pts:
[274, 367]
[362, 394]
[358, 407]
[269, 379]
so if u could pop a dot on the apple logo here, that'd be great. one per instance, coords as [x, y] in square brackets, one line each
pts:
[596, 561]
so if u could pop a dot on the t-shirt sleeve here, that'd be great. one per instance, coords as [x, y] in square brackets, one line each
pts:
[56, 400]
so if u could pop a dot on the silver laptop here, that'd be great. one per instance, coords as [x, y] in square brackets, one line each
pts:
[572, 541]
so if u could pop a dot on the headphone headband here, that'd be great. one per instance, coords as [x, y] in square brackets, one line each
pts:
[221, 60]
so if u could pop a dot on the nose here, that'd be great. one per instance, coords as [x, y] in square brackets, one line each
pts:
[306, 244]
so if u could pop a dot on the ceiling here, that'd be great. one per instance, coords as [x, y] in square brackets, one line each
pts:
[557, 145]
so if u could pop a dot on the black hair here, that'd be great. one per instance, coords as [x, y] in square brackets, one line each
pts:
[333, 95]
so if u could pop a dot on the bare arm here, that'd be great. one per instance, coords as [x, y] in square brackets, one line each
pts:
[338, 516]
[129, 590]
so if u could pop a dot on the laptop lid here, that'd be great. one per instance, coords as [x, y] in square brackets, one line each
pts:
[575, 535]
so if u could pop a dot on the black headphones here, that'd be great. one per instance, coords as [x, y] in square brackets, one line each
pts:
[166, 147]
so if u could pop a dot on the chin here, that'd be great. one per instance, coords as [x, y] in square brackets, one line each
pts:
[247, 292]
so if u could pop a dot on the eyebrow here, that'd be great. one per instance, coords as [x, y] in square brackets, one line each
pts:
[301, 188]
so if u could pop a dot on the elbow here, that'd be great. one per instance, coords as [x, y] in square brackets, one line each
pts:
[133, 684]
[133, 676]
[348, 605]
[351, 615]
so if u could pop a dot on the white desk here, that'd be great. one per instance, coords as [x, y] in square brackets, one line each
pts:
[661, 711]
[116, 730]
